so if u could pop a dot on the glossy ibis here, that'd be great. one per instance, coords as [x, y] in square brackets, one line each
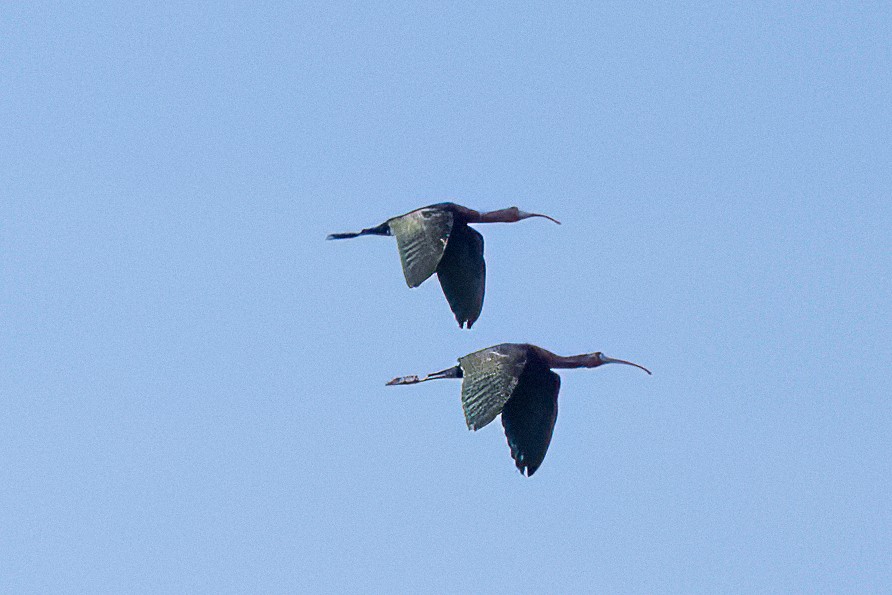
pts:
[437, 239]
[515, 380]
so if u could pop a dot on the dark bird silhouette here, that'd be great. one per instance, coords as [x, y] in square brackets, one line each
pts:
[437, 239]
[515, 379]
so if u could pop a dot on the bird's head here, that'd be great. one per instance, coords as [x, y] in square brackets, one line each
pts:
[599, 359]
[509, 215]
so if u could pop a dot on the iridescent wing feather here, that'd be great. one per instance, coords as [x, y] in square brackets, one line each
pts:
[421, 237]
[490, 376]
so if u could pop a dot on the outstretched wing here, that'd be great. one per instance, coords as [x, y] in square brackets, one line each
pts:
[529, 415]
[421, 237]
[490, 376]
[462, 274]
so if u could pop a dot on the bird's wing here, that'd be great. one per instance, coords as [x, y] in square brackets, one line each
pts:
[462, 274]
[490, 376]
[421, 237]
[529, 416]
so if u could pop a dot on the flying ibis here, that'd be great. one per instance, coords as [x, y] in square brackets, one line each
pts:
[438, 239]
[515, 379]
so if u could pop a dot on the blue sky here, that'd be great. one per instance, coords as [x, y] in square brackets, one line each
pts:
[193, 379]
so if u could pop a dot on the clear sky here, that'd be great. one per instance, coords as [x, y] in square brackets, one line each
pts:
[192, 379]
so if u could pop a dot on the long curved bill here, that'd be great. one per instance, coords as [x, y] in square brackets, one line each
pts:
[524, 215]
[610, 360]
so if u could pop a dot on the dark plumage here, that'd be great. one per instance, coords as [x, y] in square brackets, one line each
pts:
[438, 239]
[515, 379]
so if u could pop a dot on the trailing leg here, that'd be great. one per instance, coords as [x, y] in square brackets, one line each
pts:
[453, 372]
[380, 230]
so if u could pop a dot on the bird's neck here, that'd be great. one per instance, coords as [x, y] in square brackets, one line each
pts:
[509, 215]
[584, 360]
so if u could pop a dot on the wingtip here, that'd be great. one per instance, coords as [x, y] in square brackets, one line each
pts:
[465, 324]
[525, 470]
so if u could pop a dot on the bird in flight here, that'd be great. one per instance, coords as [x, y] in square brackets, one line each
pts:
[516, 380]
[438, 239]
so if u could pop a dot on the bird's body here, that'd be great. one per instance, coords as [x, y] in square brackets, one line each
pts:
[516, 380]
[438, 239]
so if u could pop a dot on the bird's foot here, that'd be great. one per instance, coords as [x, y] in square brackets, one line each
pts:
[404, 380]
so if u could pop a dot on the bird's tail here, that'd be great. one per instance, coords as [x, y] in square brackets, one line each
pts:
[381, 230]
